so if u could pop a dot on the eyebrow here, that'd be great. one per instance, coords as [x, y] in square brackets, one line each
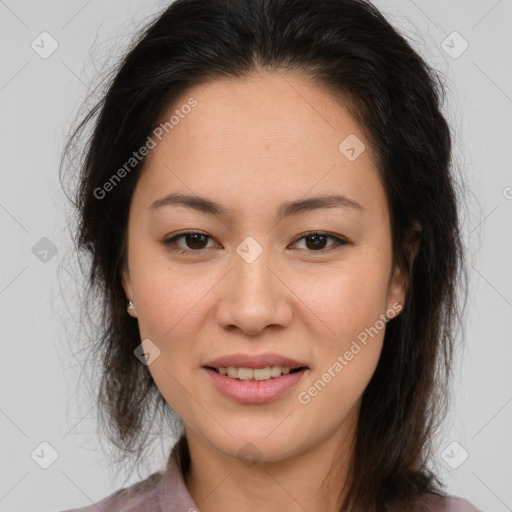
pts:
[205, 205]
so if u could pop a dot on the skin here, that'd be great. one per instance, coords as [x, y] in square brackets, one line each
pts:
[251, 145]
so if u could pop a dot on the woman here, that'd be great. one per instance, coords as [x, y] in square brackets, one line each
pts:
[268, 204]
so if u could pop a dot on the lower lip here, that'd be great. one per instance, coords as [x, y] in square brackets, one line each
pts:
[255, 392]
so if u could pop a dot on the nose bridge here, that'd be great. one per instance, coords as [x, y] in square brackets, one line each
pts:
[253, 281]
[252, 297]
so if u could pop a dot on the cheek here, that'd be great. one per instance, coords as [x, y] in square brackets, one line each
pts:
[353, 311]
[346, 360]
[168, 298]
[351, 303]
[345, 299]
[168, 306]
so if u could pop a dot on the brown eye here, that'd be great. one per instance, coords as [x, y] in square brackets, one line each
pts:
[316, 242]
[193, 242]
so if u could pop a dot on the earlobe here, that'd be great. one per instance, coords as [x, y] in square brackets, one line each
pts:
[400, 281]
[397, 291]
[127, 286]
[130, 307]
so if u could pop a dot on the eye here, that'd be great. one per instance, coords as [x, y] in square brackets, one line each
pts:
[315, 242]
[196, 241]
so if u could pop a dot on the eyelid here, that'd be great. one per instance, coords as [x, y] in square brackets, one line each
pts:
[170, 241]
[339, 241]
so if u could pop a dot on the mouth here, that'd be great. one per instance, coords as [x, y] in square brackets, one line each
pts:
[259, 385]
[255, 378]
[255, 374]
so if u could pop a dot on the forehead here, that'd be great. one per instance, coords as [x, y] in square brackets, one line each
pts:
[266, 138]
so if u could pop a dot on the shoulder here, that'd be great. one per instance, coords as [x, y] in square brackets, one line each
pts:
[434, 503]
[456, 504]
[143, 496]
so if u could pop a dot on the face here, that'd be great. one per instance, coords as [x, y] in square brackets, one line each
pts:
[257, 277]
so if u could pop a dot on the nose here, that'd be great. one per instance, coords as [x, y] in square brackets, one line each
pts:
[253, 297]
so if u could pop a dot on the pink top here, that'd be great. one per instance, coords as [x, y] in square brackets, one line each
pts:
[165, 491]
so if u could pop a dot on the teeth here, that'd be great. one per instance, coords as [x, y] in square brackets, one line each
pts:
[245, 373]
[232, 372]
[266, 373]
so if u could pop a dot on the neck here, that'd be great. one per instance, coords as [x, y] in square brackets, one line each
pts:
[313, 480]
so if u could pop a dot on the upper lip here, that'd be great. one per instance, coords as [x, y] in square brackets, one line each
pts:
[255, 361]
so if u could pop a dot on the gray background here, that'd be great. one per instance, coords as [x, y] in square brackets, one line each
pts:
[40, 398]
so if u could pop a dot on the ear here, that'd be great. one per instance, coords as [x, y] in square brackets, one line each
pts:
[128, 288]
[399, 283]
[397, 290]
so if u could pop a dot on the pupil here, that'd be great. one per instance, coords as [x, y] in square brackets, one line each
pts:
[316, 244]
[195, 237]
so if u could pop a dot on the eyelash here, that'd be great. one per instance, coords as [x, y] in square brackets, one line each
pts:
[170, 242]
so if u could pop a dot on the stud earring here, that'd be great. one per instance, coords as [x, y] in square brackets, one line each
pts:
[131, 304]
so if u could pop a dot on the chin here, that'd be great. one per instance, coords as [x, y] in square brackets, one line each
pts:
[250, 444]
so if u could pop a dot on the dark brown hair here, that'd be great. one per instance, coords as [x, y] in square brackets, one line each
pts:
[350, 48]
